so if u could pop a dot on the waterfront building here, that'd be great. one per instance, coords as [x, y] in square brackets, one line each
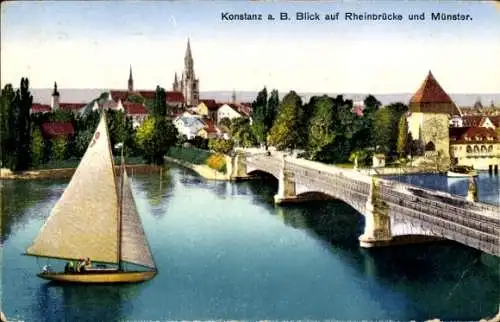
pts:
[478, 147]
[430, 109]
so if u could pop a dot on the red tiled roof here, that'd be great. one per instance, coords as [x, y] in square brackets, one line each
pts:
[211, 104]
[71, 106]
[57, 129]
[148, 94]
[134, 108]
[472, 120]
[210, 126]
[175, 97]
[431, 98]
[495, 120]
[38, 108]
[430, 92]
[117, 95]
[471, 135]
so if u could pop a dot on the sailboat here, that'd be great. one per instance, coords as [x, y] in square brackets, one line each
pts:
[96, 218]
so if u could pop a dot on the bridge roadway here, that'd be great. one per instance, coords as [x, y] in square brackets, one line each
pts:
[436, 213]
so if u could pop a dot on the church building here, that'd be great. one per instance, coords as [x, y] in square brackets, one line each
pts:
[189, 85]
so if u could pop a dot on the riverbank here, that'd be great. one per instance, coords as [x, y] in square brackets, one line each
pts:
[64, 173]
[203, 170]
[209, 165]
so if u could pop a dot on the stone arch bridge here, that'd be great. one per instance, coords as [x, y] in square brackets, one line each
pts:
[392, 210]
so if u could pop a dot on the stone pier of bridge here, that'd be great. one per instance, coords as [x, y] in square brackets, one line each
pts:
[377, 230]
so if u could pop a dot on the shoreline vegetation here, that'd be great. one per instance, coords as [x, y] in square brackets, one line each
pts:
[209, 165]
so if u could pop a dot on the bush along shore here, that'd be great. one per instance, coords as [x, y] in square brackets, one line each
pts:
[209, 165]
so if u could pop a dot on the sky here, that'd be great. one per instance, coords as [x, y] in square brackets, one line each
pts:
[92, 44]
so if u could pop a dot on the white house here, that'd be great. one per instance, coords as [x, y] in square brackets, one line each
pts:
[226, 110]
[188, 126]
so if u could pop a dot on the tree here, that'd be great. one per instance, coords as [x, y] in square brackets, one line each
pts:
[135, 99]
[21, 106]
[382, 129]
[242, 133]
[59, 145]
[321, 128]
[37, 147]
[82, 140]
[358, 155]
[7, 127]
[154, 137]
[221, 145]
[225, 122]
[259, 111]
[160, 103]
[402, 144]
[286, 131]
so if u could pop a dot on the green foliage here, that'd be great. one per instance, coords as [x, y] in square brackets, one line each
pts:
[135, 99]
[59, 146]
[402, 143]
[37, 147]
[160, 103]
[121, 129]
[7, 127]
[154, 138]
[21, 106]
[199, 157]
[60, 116]
[82, 141]
[199, 142]
[322, 128]
[264, 113]
[191, 155]
[221, 145]
[225, 122]
[286, 131]
[382, 128]
[242, 132]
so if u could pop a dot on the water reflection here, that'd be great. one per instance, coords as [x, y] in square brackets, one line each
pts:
[56, 302]
[26, 200]
[156, 189]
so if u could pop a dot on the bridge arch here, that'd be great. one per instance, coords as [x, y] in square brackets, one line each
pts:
[262, 173]
[315, 195]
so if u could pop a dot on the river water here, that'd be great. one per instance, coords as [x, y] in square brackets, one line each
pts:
[224, 251]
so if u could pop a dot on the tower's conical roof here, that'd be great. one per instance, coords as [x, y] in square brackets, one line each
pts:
[432, 95]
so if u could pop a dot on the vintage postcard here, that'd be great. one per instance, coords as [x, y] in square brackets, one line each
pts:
[250, 160]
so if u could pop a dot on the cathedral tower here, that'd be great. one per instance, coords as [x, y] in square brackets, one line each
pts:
[54, 102]
[130, 81]
[189, 83]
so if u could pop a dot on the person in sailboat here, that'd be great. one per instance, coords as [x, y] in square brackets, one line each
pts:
[80, 266]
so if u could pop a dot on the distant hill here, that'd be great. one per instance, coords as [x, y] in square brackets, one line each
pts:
[42, 95]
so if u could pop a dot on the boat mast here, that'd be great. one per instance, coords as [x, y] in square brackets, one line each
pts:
[120, 212]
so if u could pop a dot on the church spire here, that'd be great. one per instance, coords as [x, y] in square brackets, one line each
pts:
[130, 81]
[234, 96]
[188, 55]
[55, 92]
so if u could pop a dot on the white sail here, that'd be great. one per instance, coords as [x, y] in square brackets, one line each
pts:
[134, 246]
[84, 222]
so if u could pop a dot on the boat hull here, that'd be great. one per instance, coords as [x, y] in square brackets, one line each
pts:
[100, 278]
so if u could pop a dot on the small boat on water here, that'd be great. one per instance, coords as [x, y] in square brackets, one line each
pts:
[462, 171]
[96, 218]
